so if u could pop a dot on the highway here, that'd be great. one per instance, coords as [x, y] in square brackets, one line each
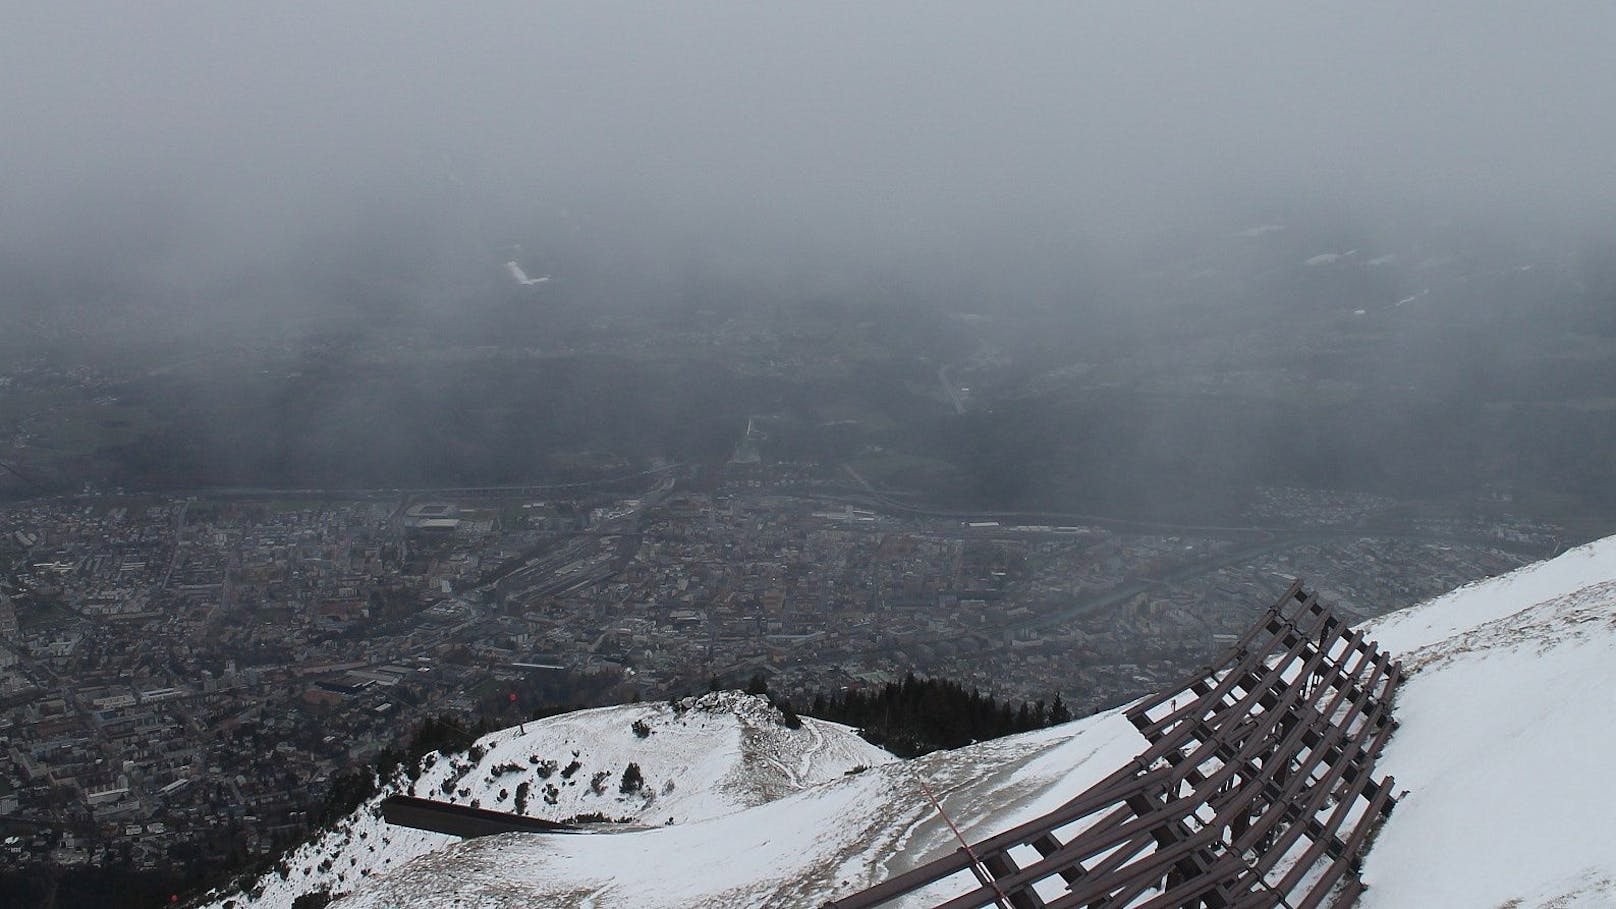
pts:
[1261, 541]
[1285, 535]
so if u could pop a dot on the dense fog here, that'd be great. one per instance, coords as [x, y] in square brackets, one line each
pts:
[183, 150]
[1188, 197]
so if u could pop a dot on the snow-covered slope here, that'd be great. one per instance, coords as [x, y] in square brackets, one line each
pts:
[705, 758]
[797, 851]
[1507, 729]
[1506, 723]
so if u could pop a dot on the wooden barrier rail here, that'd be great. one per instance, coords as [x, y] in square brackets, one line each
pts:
[1273, 748]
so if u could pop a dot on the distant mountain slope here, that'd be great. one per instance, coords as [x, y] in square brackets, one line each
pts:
[706, 758]
[1506, 727]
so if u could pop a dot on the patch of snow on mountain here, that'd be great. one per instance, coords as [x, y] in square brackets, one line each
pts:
[520, 276]
[1329, 258]
[1260, 230]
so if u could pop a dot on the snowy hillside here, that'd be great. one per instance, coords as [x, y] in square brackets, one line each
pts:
[1505, 726]
[706, 758]
[1507, 730]
[798, 851]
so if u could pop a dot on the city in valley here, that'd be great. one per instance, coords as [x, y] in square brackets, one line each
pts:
[181, 676]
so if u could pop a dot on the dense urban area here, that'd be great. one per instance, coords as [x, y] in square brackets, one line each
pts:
[181, 677]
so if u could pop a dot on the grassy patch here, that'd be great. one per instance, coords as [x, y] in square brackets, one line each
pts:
[37, 615]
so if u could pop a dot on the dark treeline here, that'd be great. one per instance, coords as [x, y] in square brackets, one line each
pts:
[27, 888]
[917, 716]
[444, 734]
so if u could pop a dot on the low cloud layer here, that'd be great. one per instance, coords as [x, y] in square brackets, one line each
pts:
[184, 148]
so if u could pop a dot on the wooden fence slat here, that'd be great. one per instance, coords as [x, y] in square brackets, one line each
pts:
[1249, 764]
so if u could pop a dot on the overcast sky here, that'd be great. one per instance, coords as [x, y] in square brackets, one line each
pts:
[229, 133]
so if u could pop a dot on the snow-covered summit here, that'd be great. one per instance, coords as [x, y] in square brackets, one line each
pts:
[1506, 725]
[700, 758]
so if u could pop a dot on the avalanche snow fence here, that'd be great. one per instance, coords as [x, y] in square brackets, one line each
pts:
[1257, 790]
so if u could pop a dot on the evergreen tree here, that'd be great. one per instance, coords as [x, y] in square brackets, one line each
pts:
[789, 716]
[1058, 713]
[918, 715]
[632, 779]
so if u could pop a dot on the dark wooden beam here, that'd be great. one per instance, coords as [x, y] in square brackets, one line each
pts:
[459, 820]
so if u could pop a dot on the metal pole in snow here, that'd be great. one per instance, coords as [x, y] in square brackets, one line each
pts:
[981, 870]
